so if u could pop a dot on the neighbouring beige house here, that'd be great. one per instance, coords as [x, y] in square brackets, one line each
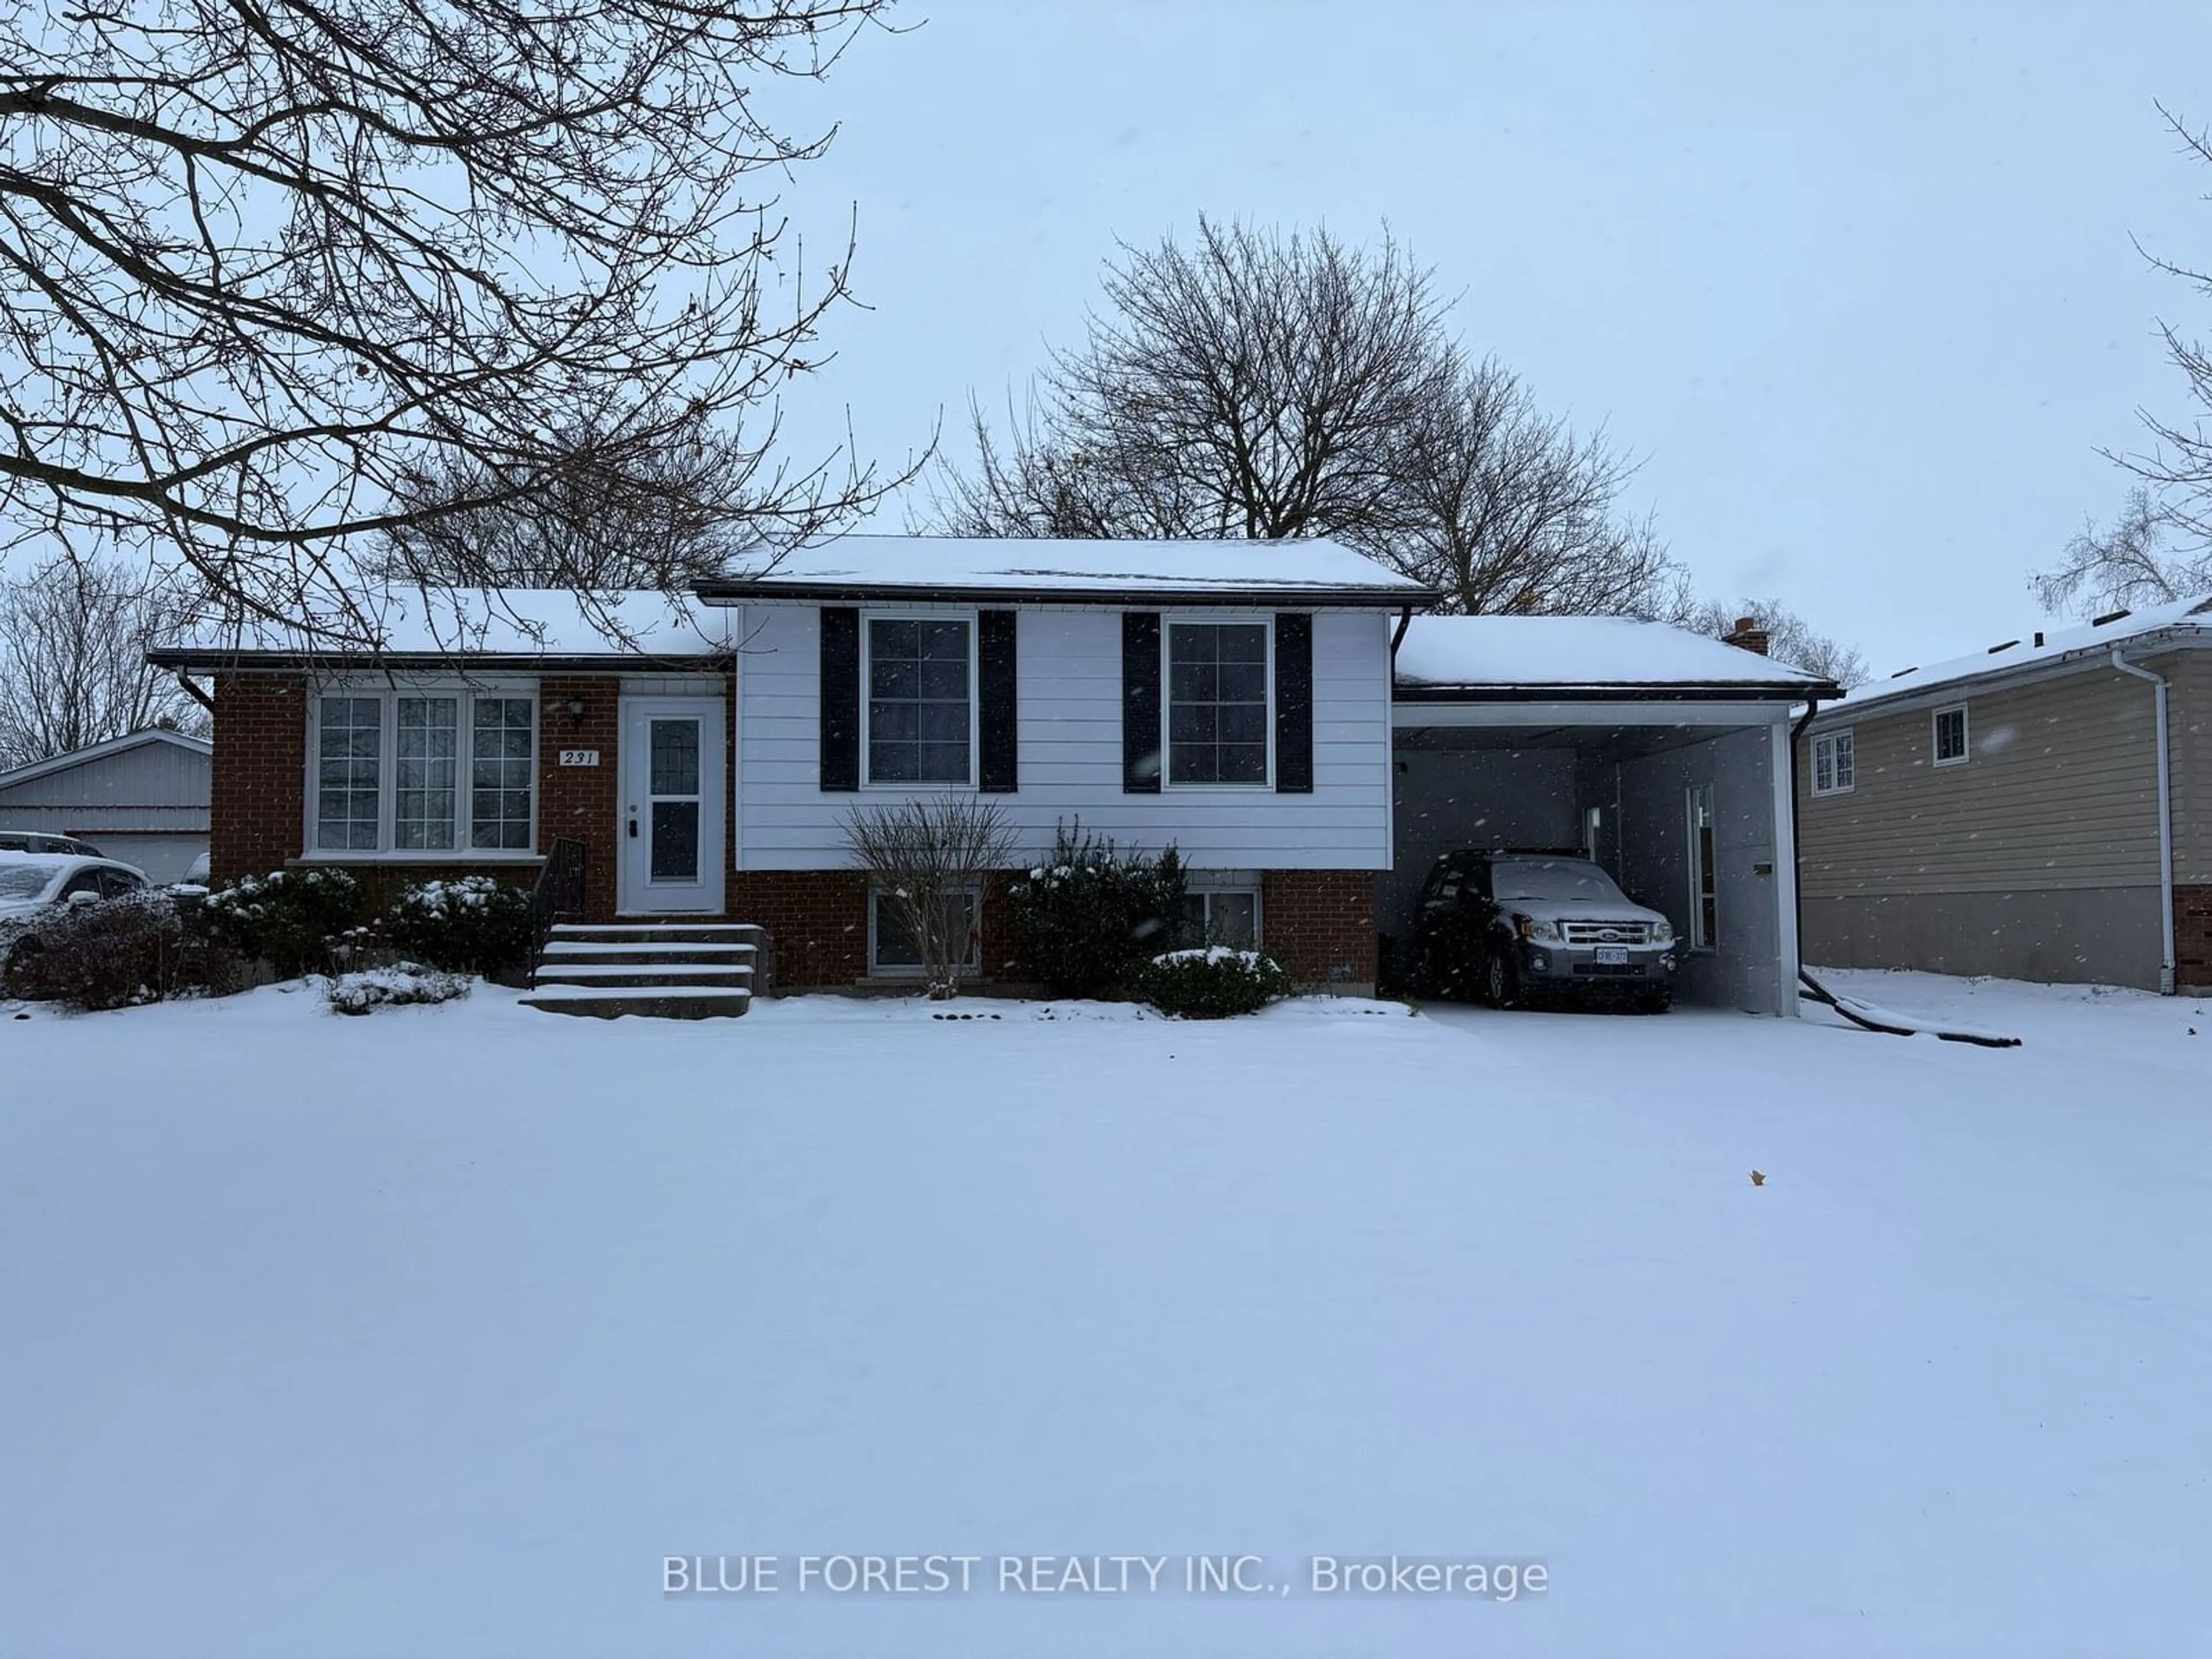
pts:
[2041, 811]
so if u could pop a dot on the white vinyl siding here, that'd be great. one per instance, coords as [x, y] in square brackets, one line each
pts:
[1069, 668]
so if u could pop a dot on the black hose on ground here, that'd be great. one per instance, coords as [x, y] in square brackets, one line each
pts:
[1859, 1015]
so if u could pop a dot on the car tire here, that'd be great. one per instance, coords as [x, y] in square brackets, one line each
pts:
[1501, 984]
[1655, 1002]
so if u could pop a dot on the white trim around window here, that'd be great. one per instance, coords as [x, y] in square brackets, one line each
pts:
[878, 969]
[437, 772]
[1957, 751]
[1835, 763]
[967, 619]
[1226, 910]
[1265, 621]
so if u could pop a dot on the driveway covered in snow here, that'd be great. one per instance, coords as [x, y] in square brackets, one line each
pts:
[437, 1331]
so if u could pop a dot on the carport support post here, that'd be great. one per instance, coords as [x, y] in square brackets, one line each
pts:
[1784, 773]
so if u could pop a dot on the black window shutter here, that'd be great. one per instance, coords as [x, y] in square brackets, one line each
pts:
[840, 698]
[997, 723]
[1140, 702]
[1294, 703]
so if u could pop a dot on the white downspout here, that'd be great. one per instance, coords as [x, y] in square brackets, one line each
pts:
[2165, 826]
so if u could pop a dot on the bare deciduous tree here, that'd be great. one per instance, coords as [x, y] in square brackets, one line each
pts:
[1252, 385]
[2129, 563]
[1264, 386]
[262, 266]
[1790, 638]
[687, 515]
[73, 638]
[2159, 548]
[929, 859]
[1502, 508]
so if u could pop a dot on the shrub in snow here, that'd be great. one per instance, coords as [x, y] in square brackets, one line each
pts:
[1212, 983]
[394, 986]
[290, 919]
[928, 858]
[141, 947]
[476, 925]
[1090, 917]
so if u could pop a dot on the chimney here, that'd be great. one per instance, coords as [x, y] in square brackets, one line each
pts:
[1746, 636]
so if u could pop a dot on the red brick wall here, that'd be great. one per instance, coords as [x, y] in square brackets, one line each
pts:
[257, 806]
[1321, 924]
[817, 918]
[2192, 938]
[579, 803]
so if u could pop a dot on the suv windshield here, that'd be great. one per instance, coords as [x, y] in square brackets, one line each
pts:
[1553, 878]
[23, 881]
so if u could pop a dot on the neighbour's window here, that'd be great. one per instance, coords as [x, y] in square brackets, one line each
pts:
[1835, 764]
[424, 772]
[1222, 915]
[1951, 735]
[919, 679]
[1704, 894]
[1218, 702]
[891, 948]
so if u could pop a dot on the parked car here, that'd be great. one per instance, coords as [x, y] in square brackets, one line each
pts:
[40, 841]
[33, 885]
[1507, 924]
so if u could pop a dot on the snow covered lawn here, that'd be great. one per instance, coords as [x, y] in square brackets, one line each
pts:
[436, 1331]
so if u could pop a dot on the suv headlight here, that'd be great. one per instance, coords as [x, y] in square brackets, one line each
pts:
[1529, 928]
[1662, 932]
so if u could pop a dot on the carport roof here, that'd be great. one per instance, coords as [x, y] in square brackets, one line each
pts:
[1455, 659]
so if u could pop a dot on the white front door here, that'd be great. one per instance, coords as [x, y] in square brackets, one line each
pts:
[671, 826]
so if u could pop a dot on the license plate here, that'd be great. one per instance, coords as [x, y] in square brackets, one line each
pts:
[1612, 956]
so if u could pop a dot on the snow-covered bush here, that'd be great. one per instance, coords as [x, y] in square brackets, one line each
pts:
[476, 925]
[1212, 983]
[1088, 918]
[401, 983]
[288, 918]
[140, 947]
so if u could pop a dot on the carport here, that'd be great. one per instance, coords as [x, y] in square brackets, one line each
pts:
[1663, 754]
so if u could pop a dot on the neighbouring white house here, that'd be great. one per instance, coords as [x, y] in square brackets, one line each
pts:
[142, 799]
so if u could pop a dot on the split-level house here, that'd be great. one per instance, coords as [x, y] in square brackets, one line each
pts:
[692, 764]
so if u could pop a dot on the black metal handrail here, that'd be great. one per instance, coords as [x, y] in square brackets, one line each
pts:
[558, 893]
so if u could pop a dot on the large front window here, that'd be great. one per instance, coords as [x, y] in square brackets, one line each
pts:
[1218, 702]
[920, 700]
[424, 772]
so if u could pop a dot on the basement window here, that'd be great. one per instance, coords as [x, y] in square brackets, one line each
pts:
[892, 951]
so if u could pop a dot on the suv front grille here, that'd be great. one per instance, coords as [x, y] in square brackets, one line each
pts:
[1605, 932]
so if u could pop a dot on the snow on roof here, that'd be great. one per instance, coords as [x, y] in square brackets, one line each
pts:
[1579, 652]
[2032, 650]
[510, 623]
[1310, 569]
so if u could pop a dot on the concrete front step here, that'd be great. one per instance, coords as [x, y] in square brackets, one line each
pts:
[652, 1002]
[644, 972]
[568, 951]
[655, 932]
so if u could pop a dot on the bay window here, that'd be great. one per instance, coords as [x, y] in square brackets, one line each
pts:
[414, 771]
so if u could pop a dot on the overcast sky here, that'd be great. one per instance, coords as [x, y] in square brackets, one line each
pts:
[1856, 280]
